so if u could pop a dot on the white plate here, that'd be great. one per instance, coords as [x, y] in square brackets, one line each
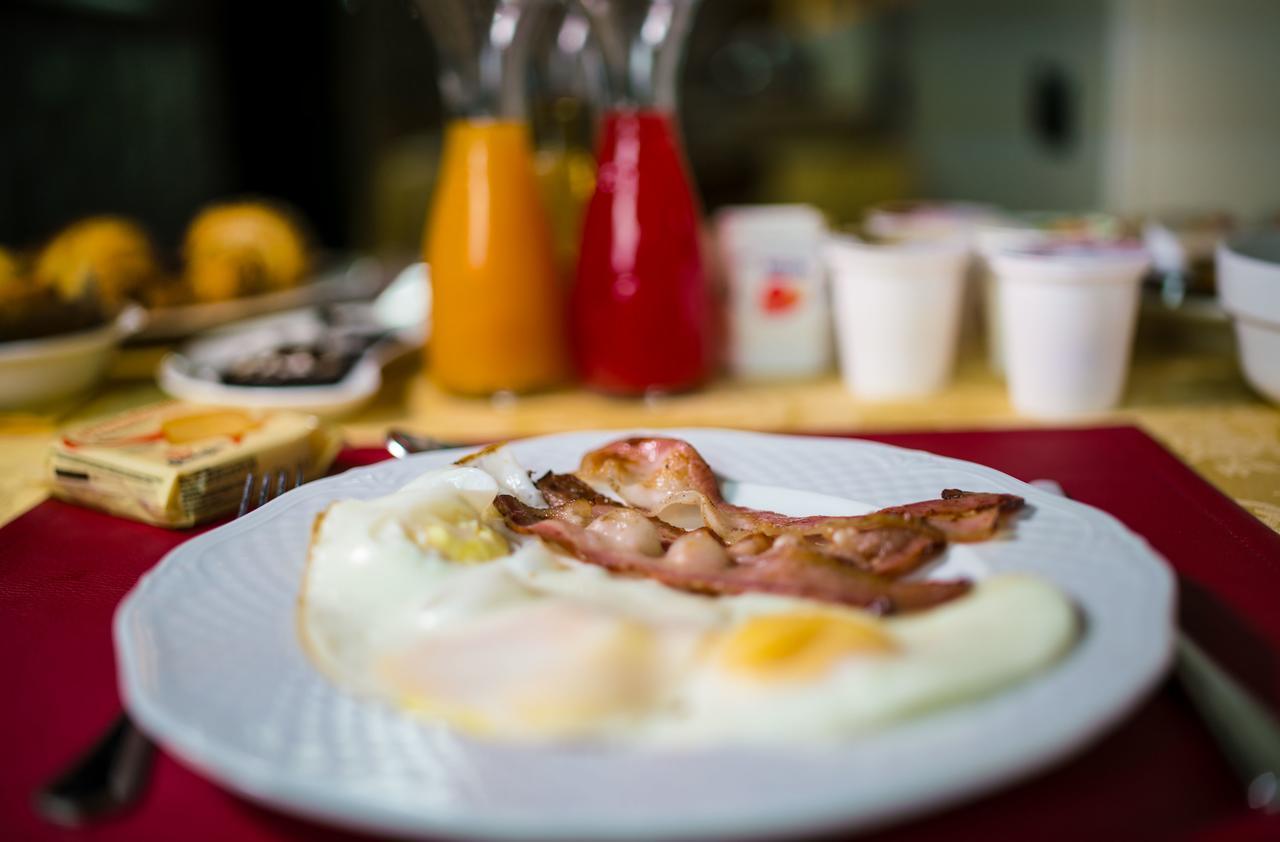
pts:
[211, 667]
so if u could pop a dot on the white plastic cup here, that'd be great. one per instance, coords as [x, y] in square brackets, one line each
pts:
[926, 219]
[897, 311]
[989, 242]
[1067, 316]
[914, 220]
[1026, 231]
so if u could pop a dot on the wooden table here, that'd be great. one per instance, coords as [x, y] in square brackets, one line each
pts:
[1189, 395]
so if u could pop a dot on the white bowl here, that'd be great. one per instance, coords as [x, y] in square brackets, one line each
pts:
[1249, 289]
[37, 371]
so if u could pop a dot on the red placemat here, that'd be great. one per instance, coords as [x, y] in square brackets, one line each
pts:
[64, 569]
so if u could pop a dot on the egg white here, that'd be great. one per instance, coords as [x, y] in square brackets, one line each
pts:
[532, 645]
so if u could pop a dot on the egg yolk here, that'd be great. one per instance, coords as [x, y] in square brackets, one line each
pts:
[465, 540]
[800, 645]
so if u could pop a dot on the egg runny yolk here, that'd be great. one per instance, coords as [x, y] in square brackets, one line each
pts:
[464, 540]
[799, 645]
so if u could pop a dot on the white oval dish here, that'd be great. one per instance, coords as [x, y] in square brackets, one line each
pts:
[402, 310]
[210, 666]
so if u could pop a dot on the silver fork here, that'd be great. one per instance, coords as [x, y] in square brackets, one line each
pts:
[112, 773]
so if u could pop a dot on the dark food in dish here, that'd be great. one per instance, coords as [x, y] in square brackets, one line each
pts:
[300, 364]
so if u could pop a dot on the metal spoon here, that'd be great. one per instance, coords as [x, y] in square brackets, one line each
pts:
[400, 443]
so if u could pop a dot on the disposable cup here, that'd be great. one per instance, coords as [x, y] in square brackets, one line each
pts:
[897, 314]
[927, 219]
[1067, 315]
[913, 220]
[1028, 230]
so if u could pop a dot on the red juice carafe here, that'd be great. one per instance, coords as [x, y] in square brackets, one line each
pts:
[642, 313]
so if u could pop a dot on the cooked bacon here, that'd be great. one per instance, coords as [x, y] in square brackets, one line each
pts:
[669, 478]
[890, 544]
[583, 512]
[698, 561]
[963, 515]
[565, 488]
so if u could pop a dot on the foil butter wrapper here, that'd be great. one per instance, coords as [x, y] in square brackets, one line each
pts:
[177, 464]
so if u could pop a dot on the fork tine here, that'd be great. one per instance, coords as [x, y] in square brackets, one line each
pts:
[246, 499]
[273, 484]
[264, 494]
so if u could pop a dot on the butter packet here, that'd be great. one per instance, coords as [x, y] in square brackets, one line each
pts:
[177, 464]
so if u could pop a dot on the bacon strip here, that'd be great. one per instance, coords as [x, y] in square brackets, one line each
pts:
[582, 512]
[668, 478]
[890, 544]
[565, 488]
[963, 515]
[697, 561]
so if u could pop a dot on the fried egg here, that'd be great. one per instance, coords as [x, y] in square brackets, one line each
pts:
[424, 600]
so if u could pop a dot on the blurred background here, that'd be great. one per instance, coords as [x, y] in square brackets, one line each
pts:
[152, 108]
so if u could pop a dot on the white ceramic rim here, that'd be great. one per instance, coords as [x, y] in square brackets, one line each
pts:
[104, 336]
[360, 384]
[1261, 272]
[1231, 247]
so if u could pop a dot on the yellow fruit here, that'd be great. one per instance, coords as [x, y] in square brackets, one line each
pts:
[109, 255]
[243, 248]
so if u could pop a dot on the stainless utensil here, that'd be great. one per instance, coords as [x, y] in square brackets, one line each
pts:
[1246, 732]
[112, 774]
[400, 443]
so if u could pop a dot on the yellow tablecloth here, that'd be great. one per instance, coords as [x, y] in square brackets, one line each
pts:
[1194, 401]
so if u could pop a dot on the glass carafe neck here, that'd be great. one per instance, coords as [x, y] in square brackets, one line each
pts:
[642, 42]
[483, 48]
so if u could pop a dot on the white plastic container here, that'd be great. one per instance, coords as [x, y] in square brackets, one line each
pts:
[989, 242]
[1249, 289]
[928, 219]
[1067, 315]
[914, 220]
[1027, 231]
[897, 313]
[779, 318]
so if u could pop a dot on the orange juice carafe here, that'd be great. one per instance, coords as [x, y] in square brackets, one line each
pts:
[497, 320]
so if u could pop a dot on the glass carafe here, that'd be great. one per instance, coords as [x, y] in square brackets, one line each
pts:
[568, 87]
[642, 316]
[497, 316]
